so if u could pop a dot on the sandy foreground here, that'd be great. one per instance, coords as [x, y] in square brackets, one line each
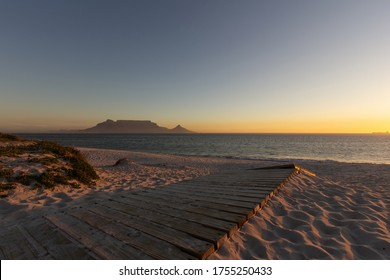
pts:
[342, 213]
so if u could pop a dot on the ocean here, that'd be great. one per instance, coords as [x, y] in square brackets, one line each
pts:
[359, 148]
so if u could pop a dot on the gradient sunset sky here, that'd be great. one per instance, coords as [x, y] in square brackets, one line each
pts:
[212, 66]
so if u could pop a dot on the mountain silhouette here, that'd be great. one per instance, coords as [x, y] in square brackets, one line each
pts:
[133, 126]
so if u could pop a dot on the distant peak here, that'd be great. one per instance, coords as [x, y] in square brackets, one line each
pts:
[180, 129]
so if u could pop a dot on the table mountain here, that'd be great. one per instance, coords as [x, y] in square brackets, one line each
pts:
[133, 126]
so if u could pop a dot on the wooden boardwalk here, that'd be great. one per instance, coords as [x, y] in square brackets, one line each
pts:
[186, 220]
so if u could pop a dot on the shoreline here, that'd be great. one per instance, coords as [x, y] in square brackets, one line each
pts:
[243, 158]
[239, 158]
[349, 148]
[342, 213]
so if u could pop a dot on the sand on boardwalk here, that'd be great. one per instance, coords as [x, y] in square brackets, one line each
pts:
[342, 213]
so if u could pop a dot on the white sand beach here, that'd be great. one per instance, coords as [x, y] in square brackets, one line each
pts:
[341, 213]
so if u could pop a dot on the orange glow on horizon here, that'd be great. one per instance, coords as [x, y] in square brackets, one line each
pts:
[280, 125]
[305, 126]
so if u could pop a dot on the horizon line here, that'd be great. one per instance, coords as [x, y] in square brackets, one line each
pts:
[190, 133]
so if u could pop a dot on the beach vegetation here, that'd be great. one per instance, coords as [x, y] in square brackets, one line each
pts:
[54, 149]
[74, 165]
[9, 137]
[13, 150]
[44, 160]
[4, 188]
[48, 180]
[80, 169]
[24, 179]
[6, 173]
[75, 185]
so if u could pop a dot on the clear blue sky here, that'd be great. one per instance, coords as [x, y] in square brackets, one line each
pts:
[223, 66]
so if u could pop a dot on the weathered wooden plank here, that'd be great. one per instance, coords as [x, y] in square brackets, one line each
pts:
[226, 200]
[209, 195]
[239, 219]
[232, 194]
[241, 178]
[234, 184]
[58, 245]
[238, 183]
[241, 191]
[140, 207]
[39, 250]
[146, 243]
[287, 166]
[103, 245]
[222, 190]
[246, 175]
[271, 171]
[236, 193]
[237, 180]
[126, 215]
[150, 198]
[254, 171]
[247, 213]
[196, 197]
[179, 206]
[14, 246]
[194, 229]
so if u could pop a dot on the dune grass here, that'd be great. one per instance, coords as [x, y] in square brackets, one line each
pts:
[69, 165]
[9, 137]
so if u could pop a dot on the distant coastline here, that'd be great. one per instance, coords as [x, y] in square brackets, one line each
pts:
[379, 132]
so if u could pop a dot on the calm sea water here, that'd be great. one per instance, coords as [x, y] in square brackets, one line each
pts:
[369, 148]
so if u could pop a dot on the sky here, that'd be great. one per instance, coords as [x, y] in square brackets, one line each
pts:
[302, 66]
